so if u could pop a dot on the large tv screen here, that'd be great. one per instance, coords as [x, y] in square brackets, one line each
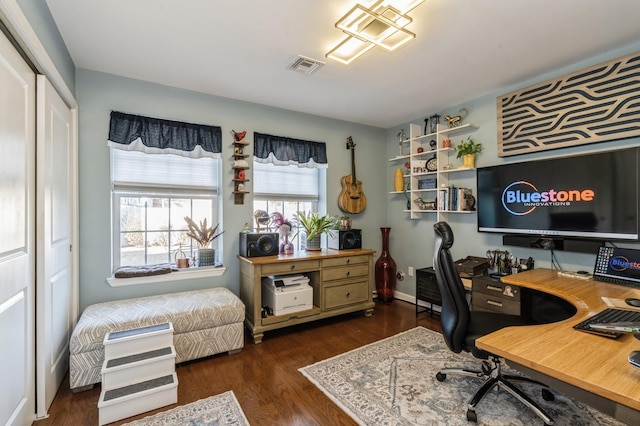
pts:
[587, 196]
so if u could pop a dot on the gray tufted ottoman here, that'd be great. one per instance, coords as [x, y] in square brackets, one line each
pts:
[205, 322]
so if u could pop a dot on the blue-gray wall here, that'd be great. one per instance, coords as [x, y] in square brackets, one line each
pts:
[98, 94]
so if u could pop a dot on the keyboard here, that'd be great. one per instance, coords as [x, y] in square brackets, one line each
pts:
[608, 315]
[619, 281]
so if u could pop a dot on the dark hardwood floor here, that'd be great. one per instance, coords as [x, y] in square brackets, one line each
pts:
[265, 377]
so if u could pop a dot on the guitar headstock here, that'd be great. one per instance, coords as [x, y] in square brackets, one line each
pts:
[350, 144]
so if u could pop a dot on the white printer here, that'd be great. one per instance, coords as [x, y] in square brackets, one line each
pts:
[285, 294]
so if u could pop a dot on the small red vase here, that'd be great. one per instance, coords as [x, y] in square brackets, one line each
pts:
[385, 271]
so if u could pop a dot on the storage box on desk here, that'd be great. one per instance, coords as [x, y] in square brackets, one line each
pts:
[472, 266]
[430, 182]
[287, 299]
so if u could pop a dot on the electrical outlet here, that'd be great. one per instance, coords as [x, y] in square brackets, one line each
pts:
[410, 271]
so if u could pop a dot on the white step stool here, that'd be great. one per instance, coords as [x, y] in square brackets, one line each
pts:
[138, 373]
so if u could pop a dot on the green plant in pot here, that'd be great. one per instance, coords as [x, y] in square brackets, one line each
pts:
[204, 236]
[314, 226]
[467, 149]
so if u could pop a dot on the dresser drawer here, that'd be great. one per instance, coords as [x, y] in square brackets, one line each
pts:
[344, 261]
[487, 302]
[342, 272]
[345, 294]
[290, 267]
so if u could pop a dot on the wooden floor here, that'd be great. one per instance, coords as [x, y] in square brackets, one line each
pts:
[265, 377]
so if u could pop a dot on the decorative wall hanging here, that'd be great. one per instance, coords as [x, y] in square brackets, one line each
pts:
[597, 104]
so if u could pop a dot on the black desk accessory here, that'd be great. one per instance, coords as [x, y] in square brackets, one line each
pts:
[608, 315]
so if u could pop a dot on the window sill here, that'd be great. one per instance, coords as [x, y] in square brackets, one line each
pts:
[180, 274]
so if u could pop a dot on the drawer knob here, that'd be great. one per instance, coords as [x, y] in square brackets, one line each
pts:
[348, 272]
[494, 288]
[348, 260]
[293, 267]
[494, 303]
[348, 294]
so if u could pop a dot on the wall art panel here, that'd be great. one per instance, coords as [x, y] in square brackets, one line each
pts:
[597, 104]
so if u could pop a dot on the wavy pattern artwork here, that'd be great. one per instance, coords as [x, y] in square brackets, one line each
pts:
[597, 104]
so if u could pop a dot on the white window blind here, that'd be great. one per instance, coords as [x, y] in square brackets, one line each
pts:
[285, 181]
[134, 171]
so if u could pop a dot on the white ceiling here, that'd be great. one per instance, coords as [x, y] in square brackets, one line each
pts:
[240, 49]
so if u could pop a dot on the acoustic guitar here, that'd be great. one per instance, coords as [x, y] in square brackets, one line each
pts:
[352, 199]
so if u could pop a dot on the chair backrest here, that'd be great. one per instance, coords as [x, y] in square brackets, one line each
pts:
[454, 317]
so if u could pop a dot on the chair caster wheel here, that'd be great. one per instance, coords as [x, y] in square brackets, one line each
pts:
[441, 377]
[547, 395]
[472, 416]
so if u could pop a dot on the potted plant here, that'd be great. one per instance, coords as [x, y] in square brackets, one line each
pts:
[468, 150]
[203, 235]
[314, 226]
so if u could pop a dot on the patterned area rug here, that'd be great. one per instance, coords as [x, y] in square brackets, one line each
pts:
[218, 410]
[392, 382]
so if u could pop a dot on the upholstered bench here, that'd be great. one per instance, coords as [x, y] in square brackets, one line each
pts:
[205, 322]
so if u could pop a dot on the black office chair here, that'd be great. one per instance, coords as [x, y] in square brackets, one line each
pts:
[461, 327]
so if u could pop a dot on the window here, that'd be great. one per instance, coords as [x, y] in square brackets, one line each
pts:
[286, 189]
[151, 195]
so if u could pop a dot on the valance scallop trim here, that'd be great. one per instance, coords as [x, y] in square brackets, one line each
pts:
[283, 151]
[159, 136]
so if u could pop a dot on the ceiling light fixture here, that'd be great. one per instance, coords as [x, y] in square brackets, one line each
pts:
[382, 24]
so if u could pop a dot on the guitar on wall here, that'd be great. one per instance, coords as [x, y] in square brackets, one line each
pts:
[352, 199]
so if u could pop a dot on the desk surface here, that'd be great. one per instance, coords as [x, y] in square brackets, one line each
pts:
[590, 362]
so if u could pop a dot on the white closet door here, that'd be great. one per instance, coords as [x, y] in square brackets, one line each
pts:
[54, 276]
[17, 237]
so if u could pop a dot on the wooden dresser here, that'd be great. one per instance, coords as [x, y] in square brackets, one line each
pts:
[342, 282]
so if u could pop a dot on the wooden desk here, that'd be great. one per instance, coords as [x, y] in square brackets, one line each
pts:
[591, 368]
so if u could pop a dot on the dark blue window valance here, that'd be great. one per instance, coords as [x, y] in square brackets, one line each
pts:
[155, 136]
[283, 151]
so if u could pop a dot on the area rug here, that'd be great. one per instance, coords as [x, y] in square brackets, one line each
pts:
[392, 382]
[217, 410]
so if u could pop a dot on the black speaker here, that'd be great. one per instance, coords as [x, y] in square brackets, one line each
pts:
[254, 244]
[345, 239]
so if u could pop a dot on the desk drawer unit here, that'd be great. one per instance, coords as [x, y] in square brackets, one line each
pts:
[344, 294]
[491, 295]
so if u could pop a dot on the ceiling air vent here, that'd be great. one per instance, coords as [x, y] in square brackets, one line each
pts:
[305, 65]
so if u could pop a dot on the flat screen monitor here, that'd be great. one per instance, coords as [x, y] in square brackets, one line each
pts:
[586, 196]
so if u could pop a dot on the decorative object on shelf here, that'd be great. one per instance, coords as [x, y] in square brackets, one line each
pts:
[420, 150]
[385, 271]
[351, 199]
[456, 120]
[239, 136]
[407, 164]
[241, 174]
[284, 228]
[241, 186]
[401, 138]
[433, 144]
[470, 202]
[426, 122]
[398, 180]
[468, 150]
[434, 121]
[425, 205]
[262, 219]
[314, 226]
[345, 223]
[240, 163]
[446, 143]
[204, 236]
[447, 166]
[419, 166]
[432, 164]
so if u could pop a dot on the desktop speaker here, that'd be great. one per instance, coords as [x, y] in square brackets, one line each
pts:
[345, 239]
[254, 244]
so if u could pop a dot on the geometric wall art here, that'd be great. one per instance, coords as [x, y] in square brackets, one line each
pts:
[597, 104]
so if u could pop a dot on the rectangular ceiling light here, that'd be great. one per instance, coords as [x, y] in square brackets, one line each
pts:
[350, 49]
[382, 24]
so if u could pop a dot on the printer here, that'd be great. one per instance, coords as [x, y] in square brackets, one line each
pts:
[285, 294]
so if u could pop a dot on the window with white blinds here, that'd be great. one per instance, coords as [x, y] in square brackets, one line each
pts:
[285, 182]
